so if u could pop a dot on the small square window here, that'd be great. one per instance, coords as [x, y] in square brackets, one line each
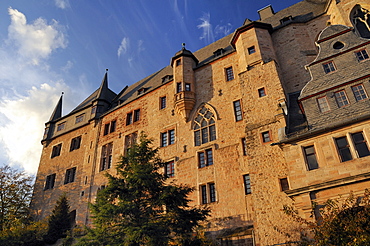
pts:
[251, 50]
[79, 118]
[229, 73]
[187, 87]
[178, 62]
[266, 137]
[323, 104]
[329, 67]
[162, 103]
[359, 92]
[341, 98]
[284, 184]
[261, 92]
[50, 181]
[362, 55]
[61, 126]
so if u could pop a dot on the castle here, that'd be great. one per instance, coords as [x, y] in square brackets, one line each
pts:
[275, 114]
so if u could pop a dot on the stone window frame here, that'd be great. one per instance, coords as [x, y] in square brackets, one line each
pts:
[75, 143]
[262, 92]
[329, 67]
[361, 55]
[79, 118]
[238, 112]
[244, 146]
[341, 98]
[251, 50]
[130, 140]
[70, 175]
[247, 184]
[266, 137]
[56, 150]
[205, 158]
[110, 127]
[133, 116]
[284, 184]
[167, 138]
[106, 156]
[169, 169]
[162, 102]
[204, 126]
[207, 193]
[310, 157]
[229, 73]
[359, 93]
[343, 148]
[61, 126]
[178, 87]
[50, 181]
[323, 105]
[359, 144]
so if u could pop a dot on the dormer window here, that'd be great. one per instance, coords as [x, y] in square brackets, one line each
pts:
[141, 91]
[329, 67]
[218, 52]
[61, 126]
[362, 55]
[166, 78]
[251, 50]
[286, 19]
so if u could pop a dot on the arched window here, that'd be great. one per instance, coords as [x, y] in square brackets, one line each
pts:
[360, 18]
[204, 126]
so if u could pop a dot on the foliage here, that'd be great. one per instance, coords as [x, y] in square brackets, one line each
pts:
[138, 207]
[59, 222]
[15, 196]
[30, 234]
[340, 223]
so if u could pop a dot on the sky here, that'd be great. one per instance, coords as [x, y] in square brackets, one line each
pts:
[52, 46]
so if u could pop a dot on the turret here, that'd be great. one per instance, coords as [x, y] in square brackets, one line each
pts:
[57, 113]
[183, 64]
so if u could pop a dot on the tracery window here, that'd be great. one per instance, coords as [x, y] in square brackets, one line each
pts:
[204, 127]
[360, 18]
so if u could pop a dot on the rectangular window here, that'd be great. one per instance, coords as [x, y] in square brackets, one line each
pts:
[170, 169]
[341, 98]
[203, 190]
[212, 192]
[56, 150]
[178, 87]
[75, 143]
[70, 175]
[251, 50]
[362, 55]
[208, 193]
[50, 181]
[266, 137]
[247, 184]
[229, 73]
[329, 67]
[109, 127]
[106, 157]
[359, 92]
[284, 185]
[323, 104]
[129, 119]
[162, 103]
[244, 146]
[61, 126]
[238, 110]
[187, 87]
[360, 144]
[205, 158]
[343, 149]
[310, 156]
[178, 62]
[167, 138]
[93, 110]
[79, 118]
[261, 92]
[136, 115]
[130, 140]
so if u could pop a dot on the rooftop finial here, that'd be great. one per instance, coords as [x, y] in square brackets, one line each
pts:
[62, 92]
[183, 45]
[106, 69]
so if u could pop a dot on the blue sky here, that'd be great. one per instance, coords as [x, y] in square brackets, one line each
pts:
[50, 46]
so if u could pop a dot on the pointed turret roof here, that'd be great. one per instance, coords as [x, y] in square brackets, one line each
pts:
[57, 113]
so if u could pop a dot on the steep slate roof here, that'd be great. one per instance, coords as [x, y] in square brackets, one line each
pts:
[57, 113]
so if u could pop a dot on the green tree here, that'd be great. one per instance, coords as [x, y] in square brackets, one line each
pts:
[138, 207]
[15, 196]
[59, 222]
[339, 223]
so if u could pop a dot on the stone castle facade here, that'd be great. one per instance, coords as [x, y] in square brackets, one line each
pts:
[275, 114]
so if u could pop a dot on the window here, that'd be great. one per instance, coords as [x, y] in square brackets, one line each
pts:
[80, 118]
[229, 73]
[360, 144]
[178, 87]
[284, 185]
[362, 55]
[106, 157]
[261, 92]
[244, 145]
[247, 184]
[130, 140]
[251, 50]
[187, 87]
[141, 91]
[208, 193]
[178, 62]
[167, 138]
[61, 126]
[70, 175]
[129, 119]
[205, 158]
[56, 150]
[50, 181]
[343, 149]
[341, 98]
[75, 143]
[109, 127]
[204, 127]
[136, 115]
[329, 67]
[238, 110]
[323, 104]
[46, 132]
[266, 137]
[310, 157]
[162, 103]
[169, 170]
[359, 92]
[93, 110]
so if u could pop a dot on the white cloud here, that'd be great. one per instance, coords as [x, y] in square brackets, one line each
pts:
[22, 130]
[67, 67]
[63, 4]
[206, 26]
[140, 45]
[124, 46]
[223, 30]
[37, 40]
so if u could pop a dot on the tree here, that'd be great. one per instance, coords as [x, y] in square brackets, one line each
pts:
[15, 196]
[339, 223]
[59, 222]
[138, 207]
